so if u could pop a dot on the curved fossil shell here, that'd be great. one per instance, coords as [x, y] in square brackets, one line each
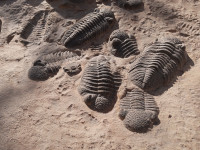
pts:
[48, 65]
[138, 110]
[158, 64]
[87, 27]
[122, 44]
[97, 84]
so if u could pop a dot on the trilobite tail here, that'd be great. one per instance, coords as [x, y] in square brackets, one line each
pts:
[138, 110]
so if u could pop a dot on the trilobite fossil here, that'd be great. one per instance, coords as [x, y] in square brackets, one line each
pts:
[97, 85]
[138, 110]
[34, 29]
[88, 27]
[122, 44]
[188, 28]
[48, 65]
[158, 64]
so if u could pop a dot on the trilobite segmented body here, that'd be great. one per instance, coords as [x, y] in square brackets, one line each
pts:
[138, 110]
[129, 3]
[122, 44]
[48, 65]
[87, 27]
[188, 28]
[97, 84]
[158, 64]
[35, 28]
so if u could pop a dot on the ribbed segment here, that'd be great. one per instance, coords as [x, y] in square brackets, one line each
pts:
[188, 28]
[34, 30]
[150, 103]
[98, 79]
[122, 45]
[129, 47]
[86, 28]
[158, 64]
[49, 64]
[56, 57]
[133, 100]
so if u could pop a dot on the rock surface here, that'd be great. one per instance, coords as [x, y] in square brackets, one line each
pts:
[51, 115]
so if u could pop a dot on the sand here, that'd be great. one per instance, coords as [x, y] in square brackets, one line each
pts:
[50, 115]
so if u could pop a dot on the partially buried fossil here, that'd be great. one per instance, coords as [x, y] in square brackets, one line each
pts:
[48, 65]
[73, 68]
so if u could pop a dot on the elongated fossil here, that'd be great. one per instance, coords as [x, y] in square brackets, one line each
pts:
[87, 27]
[158, 64]
[48, 65]
[34, 30]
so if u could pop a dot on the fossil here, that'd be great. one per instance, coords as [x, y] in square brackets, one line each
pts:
[34, 30]
[122, 44]
[188, 28]
[138, 110]
[72, 68]
[97, 85]
[89, 26]
[48, 65]
[158, 63]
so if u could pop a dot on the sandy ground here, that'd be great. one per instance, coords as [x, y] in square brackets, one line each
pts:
[51, 115]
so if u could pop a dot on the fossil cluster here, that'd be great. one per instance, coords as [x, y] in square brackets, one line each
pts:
[153, 68]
